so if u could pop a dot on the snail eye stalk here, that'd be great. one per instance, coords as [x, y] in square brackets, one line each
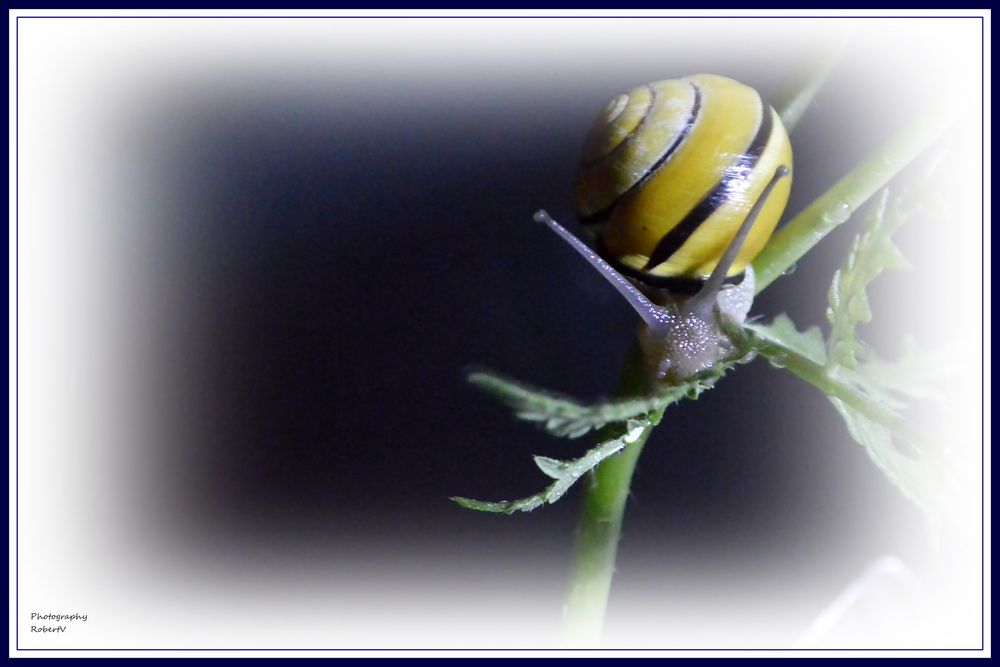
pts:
[655, 317]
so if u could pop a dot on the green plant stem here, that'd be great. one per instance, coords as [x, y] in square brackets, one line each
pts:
[835, 206]
[607, 490]
[819, 377]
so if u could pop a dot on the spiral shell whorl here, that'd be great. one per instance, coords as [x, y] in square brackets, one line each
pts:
[672, 168]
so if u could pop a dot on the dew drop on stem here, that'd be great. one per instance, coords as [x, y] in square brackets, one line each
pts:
[838, 214]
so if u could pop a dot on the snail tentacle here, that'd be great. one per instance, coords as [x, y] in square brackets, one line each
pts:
[703, 302]
[657, 319]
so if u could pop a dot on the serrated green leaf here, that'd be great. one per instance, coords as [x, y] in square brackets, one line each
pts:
[566, 418]
[915, 478]
[866, 391]
[565, 473]
[871, 253]
[782, 332]
[802, 358]
[917, 373]
[502, 507]
[630, 419]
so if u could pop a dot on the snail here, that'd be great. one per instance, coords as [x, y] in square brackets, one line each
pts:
[681, 183]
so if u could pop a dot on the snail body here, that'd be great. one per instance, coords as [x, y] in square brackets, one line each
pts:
[681, 183]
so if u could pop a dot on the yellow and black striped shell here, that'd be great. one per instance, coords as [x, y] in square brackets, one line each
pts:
[671, 169]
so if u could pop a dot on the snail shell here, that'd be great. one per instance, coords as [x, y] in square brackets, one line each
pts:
[671, 169]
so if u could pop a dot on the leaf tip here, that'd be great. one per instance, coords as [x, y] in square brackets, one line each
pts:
[480, 505]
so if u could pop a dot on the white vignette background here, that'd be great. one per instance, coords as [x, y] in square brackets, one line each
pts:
[67, 475]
